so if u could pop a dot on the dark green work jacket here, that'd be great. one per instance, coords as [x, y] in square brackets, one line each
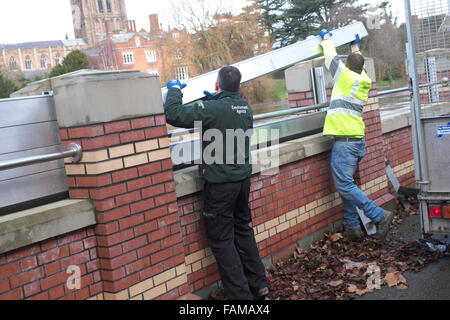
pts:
[228, 115]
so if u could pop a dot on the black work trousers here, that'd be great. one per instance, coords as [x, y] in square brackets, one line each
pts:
[227, 216]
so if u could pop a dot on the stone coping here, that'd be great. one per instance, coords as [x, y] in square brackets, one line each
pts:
[394, 120]
[87, 97]
[26, 227]
[188, 180]
[397, 119]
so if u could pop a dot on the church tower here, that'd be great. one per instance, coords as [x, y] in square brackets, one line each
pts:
[90, 17]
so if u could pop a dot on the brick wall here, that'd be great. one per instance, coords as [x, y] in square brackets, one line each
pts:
[147, 244]
[135, 250]
[301, 198]
[39, 270]
[399, 151]
[444, 92]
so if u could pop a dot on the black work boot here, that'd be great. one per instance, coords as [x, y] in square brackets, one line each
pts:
[262, 293]
[355, 234]
[383, 225]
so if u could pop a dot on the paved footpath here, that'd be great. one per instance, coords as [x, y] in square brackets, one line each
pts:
[432, 283]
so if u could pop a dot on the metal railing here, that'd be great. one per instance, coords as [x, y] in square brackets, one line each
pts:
[291, 111]
[444, 82]
[74, 151]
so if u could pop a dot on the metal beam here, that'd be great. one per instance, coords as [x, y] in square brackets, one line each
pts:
[270, 62]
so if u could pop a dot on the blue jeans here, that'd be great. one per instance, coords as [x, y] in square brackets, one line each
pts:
[345, 157]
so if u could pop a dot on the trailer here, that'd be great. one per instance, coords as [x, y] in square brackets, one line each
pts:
[428, 29]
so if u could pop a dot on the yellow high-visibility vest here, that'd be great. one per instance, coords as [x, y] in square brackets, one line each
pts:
[350, 93]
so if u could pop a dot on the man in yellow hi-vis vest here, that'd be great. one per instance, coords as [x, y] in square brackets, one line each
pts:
[344, 121]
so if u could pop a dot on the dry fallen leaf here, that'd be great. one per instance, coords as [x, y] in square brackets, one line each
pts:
[336, 270]
[336, 237]
[361, 292]
[349, 265]
[336, 283]
[351, 288]
[394, 278]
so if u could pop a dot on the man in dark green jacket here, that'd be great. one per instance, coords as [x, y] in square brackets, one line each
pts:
[226, 169]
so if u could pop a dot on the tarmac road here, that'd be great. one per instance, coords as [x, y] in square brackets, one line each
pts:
[432, 283]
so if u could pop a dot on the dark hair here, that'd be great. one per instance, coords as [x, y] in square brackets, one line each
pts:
[229, 78]
[355, 62]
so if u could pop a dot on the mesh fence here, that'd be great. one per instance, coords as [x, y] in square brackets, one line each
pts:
[431, 25]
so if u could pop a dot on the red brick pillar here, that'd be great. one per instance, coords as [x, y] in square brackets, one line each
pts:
[126, 171]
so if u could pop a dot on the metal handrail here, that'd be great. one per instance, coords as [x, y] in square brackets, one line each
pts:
[74, 151]
[444, 81]
[274, 114]
[289, 111]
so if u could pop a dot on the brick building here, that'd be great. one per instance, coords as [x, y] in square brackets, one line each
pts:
[155, 52]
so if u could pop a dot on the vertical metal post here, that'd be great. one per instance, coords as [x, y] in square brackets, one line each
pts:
[415, 106]
[313, 82]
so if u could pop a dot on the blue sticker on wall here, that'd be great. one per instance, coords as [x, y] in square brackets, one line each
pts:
[442, 130]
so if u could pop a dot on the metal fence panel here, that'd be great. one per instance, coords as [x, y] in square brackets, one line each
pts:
[428, 26]
[431, 26]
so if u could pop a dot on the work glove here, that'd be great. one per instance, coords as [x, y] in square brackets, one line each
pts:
[175, 83]
[325, 34]
[357, 40]
[208, 95]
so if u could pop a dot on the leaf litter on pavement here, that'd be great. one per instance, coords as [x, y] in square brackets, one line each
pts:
[335, 268]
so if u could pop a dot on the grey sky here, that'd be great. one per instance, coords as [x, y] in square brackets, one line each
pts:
[37, 20]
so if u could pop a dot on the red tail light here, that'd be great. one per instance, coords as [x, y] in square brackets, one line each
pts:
[435, 212]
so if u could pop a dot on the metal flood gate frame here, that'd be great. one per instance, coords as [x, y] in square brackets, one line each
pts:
[28, 129]
[271, 62]
[185, 153]
[428, 28]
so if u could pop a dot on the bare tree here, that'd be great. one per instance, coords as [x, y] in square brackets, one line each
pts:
[218, 37]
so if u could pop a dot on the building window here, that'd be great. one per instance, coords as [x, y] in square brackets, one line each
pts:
[128, 57]
[43, 62]
[152, 71]
[150, 55]
[12, 63]
[178, 54]
[138, 42]
[182, 73]
[28, 63]
[108, 5]
[100, 5]
[175, 36]
[58, 59]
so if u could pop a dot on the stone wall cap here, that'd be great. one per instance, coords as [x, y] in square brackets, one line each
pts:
[86, 75]
[20, 229]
